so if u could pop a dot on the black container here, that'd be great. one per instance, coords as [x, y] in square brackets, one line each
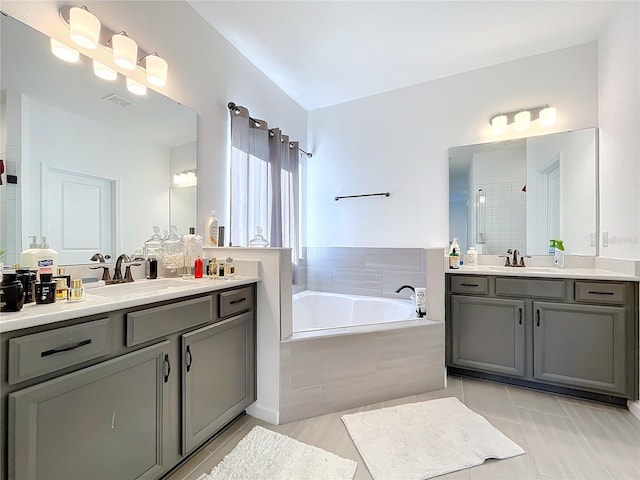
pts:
[28, 279]
[11, 293]
[45, 289]
[151, 268]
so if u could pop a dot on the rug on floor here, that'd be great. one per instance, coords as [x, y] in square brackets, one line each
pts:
[421, 440]
[263, 454]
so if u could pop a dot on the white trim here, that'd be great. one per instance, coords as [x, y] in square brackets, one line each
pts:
[264, 413]
[634, 408]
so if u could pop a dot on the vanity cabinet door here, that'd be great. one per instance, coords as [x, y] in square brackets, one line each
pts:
[218, 378]
[580, 346]
[105, 421]
[488, 334]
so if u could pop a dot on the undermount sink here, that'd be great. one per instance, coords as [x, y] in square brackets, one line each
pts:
[138, 287]
[501, 268]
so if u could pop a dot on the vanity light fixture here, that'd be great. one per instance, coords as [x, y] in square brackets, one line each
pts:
[186, 178]
[84, 27]
[104, 72]
[521, 119]
[86, 30]
[136, 87]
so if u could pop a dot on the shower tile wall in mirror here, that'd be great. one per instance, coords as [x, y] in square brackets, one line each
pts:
[522, 193]
[94, 163]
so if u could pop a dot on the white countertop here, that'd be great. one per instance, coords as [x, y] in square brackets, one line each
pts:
[116, 297]
[544, 272]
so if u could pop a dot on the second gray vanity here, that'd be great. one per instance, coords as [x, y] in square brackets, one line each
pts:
[577, 336]
[130, 391]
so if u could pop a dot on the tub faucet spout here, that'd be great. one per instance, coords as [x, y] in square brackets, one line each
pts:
[406, 286]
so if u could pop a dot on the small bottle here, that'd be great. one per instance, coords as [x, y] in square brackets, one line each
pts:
[61, 274]
[45, 289]
[76, 292]
[472, 257]
[62, 291]
[221, 269]
[151, 268]
[197, 268]
[213, 269]
[230, 269]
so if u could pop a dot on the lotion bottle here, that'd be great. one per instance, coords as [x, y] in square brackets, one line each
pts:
[211, 231]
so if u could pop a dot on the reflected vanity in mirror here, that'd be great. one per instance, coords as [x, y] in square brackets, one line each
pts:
[519, 194]
[95, 164]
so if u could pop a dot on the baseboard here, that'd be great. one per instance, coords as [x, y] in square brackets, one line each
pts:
[634, 408]
[264, 413]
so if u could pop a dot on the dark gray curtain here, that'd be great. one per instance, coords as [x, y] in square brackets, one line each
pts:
[264, 183]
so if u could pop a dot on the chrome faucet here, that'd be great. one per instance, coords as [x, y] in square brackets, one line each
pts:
[117, 274]
[514, 260]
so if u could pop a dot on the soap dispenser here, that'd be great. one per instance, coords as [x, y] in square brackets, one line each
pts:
[28, 256]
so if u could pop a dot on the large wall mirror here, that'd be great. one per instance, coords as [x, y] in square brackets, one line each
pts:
[519, 194]
[95, 164]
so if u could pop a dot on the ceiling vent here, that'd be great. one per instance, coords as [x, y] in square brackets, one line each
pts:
[121, 102]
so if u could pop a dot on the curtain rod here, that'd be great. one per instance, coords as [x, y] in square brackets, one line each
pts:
[234, 108]
[386, 194]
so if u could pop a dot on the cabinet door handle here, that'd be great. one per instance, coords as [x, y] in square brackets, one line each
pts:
[538, 316]
[188, 357]
[520, 321]
[593, 292]
[53, 351]
[239, 300]
[167, 365]
[469, 285]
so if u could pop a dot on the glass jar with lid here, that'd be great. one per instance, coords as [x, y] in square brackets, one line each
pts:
[258, 240]
[153, 246]
[173, 251]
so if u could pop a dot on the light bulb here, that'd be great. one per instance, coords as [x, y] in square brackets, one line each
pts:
[125, 51]
[84, 27]
[522, 120]
[63, 52]
[103, 71]
[136, 87]
[156, 70]
[499, 124]
[547, 117]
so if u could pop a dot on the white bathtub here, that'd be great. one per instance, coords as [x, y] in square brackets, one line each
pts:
[323, 310]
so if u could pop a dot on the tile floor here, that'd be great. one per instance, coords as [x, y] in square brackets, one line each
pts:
[564, 438]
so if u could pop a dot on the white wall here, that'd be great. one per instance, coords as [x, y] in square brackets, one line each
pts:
[398, 142]
[619, 119]
[70, 142]
[205, 73]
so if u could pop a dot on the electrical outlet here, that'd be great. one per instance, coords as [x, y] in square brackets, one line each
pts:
[592, 239]
[605, 239]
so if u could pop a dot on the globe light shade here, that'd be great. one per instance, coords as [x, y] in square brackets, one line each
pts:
[522, 120]
[136, 87]
[104, 72]
[156, 70]
[64, 52]
[499, 124]
[84, 27]
[547, 117]
[125, 51]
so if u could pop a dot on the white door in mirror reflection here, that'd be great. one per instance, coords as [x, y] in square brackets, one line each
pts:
[79, 216]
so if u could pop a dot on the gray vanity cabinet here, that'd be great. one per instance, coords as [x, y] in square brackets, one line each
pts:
[572, 336]
[580, 345]
[218, 376]
[488, 334]
[105, 421]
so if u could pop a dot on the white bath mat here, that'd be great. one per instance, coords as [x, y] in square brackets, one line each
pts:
[263, 454]
[422, 440]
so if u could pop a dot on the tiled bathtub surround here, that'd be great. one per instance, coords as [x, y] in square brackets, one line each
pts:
[365, 271]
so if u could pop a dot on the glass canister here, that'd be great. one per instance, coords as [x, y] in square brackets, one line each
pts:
[258, 240]
[153, 246]
[173, 251]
